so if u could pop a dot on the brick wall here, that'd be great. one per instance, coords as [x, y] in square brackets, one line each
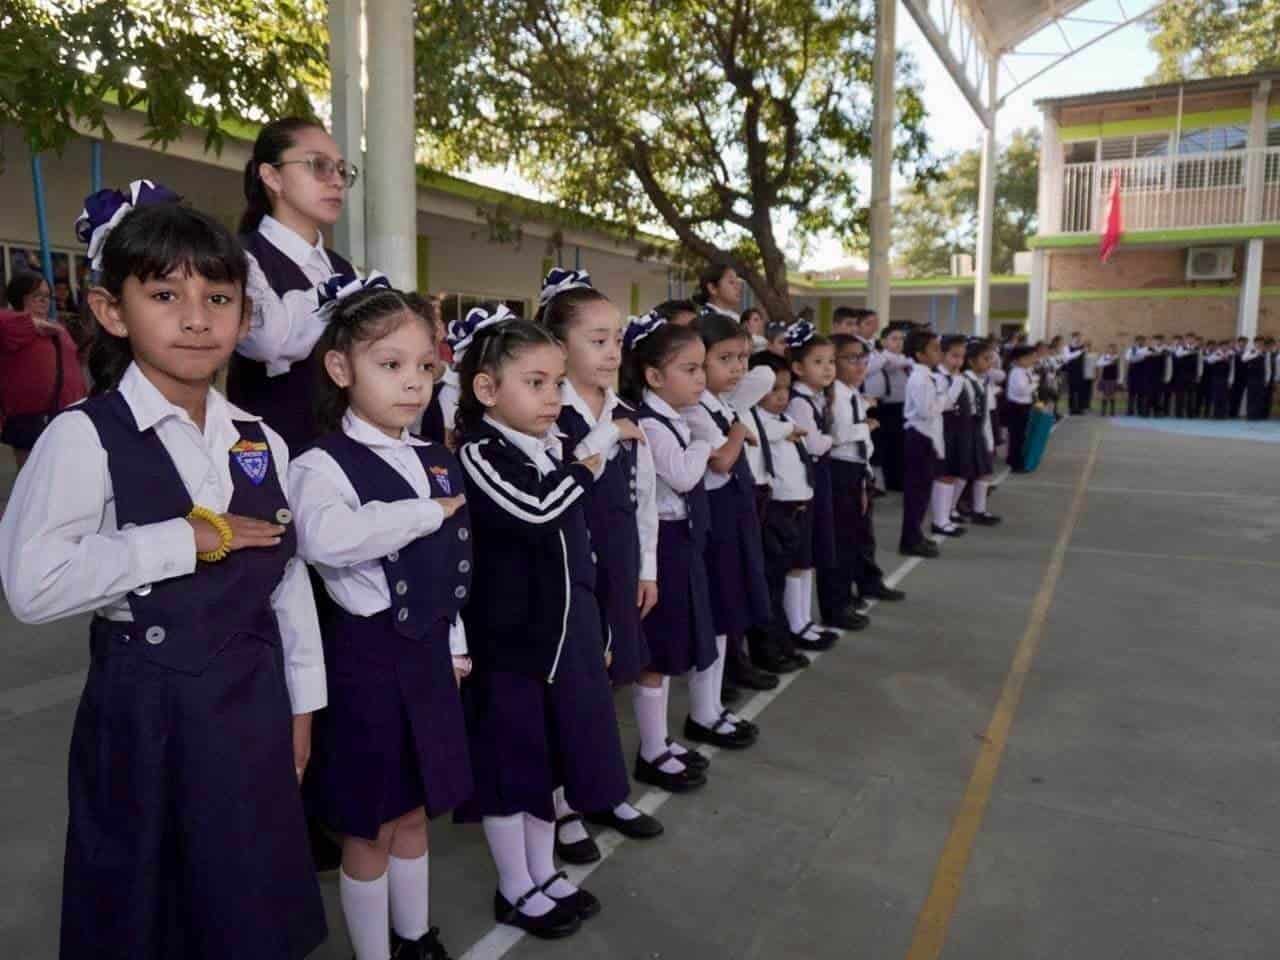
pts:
[1132, 269]
[1118, 321]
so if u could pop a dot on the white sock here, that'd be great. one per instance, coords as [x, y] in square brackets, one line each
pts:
[539, 851]
[364, 907]
[650, 704]
[722, 648]
[570, 832]
[505, 836]
[940, 505]
[625, 811]
[980, 495]
[879, 475]
[410, 891]
[704, 706]
[796, 601]
[957, 488]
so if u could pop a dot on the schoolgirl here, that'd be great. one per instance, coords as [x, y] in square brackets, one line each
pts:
[1019, 396]
[734, 557]
[957, 439]
[754, 323]
[852, 425]
[924, 449]
[1136, 377]
[719, 291]
[381, 516]
[662, 375]
[622, 512]
[978, 358]
[160, 507]
[813, 367]
[295, 184]
[538, 705]
[887, 384]
[1109, 379]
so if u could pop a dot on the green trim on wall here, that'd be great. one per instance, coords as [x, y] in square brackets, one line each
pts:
[635, 298]
[1246, 231]
[424, 263]
[1007, 314]
[825, 311]
[1149, 293]
[803, 284]
[1138, 125]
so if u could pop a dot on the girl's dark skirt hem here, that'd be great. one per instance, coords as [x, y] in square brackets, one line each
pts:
[680, 630]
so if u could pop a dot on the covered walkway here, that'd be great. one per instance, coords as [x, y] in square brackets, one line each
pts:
[1063, 745]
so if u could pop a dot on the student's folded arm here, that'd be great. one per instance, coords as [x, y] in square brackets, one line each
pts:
[525, 502]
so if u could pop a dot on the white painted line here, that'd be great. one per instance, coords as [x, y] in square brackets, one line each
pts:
[499, 941]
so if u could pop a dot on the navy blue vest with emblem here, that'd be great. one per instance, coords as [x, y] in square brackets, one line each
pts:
[183, 623]
[287, 400]
[430, 579]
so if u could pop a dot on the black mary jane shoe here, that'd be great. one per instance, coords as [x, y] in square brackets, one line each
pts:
[426, 947]
[849, 619]
[585, 905]
[557, 923]
[922, 549]
[883, 593]
[580, 851]
[739, 736]
[944, 532]
[775, 663]
[986, 519]
[690, 758]
[643, 827]
[800, 660]
[825, 640]
[682, 781]
[747, 675]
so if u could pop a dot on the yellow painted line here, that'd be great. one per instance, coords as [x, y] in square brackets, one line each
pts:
[948, 876]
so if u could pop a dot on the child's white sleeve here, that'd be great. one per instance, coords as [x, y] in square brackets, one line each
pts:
[283, 329]
[647, 512]
[56, 560]
[680, 469]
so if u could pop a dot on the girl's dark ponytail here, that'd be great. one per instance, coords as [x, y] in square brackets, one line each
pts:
[273, 140]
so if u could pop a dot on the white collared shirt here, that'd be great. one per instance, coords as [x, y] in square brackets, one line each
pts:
[927, 398]
[346, 540]
[801, 411]
[1020, 388]
[284, 328]
[790, 482]
[646, 480]
[890, 381]
[846, 433]
[678, 469]
[732, 315]
[975, 383]
[62, 553]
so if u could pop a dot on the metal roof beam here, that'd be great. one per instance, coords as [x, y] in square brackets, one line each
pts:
[960, 47]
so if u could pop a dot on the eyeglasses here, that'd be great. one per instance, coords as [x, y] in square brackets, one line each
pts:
[323, 168]
[853, 357]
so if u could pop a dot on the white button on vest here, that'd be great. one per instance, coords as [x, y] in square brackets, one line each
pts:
[393, 556]
[460, 592]
[143, 590]
[464, 566]
[401, 588]
[284, 517]
[154, 635]
[403, 614]
[464, 534]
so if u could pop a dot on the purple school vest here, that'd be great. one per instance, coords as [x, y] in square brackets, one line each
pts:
[287, 402]
[186, 621]
[430, 579]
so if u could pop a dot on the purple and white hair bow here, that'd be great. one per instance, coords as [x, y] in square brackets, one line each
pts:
[462, 332]
[640, 327]
[560, 281]
[798, 334]
[106, 208]
[340, 286]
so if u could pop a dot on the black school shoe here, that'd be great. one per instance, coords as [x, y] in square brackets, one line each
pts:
[682, 781]
[559, 922]
[744, 674]
[986, 519]
[775, 663]
[691, 758]
[739, 736]
[426, 947]
[849, 619]
[580, 851]
[585, 905]
[953, 532]
[922, 549]
[643, 827]
[825, 640]
[883, 593]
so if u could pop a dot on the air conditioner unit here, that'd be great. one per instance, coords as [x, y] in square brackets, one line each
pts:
[962, 264]
[1211, 263]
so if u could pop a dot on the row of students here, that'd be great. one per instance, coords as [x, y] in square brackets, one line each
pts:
[1189, 378]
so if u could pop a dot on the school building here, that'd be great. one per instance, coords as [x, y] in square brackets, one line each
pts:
[475, 241]
[1197, 169]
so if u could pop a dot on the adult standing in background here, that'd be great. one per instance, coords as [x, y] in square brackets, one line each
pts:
[40, 370]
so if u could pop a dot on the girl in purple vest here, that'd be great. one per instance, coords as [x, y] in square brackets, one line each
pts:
[622, 515]
[160, 508]
[295, 186]
[380, 515]
[538, 704]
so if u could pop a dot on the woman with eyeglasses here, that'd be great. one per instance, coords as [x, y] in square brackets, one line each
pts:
[39, 366]
[295, 185]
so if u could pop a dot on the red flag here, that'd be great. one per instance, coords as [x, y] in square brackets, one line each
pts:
[1114, 221]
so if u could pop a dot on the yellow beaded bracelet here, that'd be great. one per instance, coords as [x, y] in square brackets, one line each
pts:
[219, 524]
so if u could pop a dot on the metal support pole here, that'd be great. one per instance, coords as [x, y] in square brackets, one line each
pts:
[347, 94]
[42, 227]
[1250, 290]
[986, 211]
[391, 190]
[577, 258]
[878, 276]
[95, 166]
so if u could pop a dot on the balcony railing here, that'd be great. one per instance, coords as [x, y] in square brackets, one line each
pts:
[1190, 190]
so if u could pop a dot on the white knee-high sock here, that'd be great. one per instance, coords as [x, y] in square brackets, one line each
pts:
[539, 848]
[940, 504]
[409, 882]
[505, 836]
[364, 907]
[650, 705]
[704, 705]
[957, 489]
[796, 601]
[980, 495]
[570, 832]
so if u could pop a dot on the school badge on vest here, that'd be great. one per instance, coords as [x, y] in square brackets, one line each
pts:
[441, 476]
[253, 458]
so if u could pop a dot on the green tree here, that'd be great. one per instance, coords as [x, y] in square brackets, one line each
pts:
[715, 117]
[1214, 38]
[933, 222]
[63, 62]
